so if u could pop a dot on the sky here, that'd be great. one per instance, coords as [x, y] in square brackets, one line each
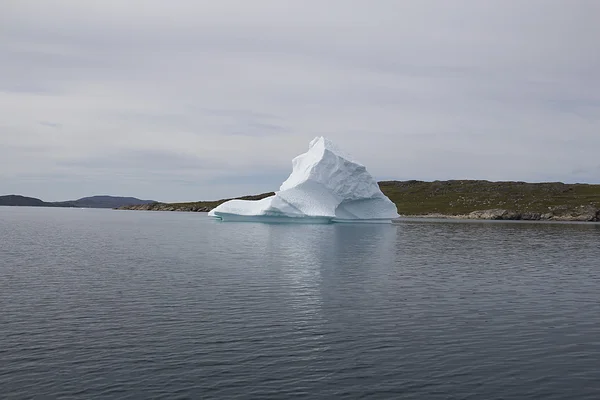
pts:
[187, 100]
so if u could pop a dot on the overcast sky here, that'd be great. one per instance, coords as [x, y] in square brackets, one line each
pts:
[196, 100]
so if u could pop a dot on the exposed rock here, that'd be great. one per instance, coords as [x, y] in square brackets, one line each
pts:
[495, 214]
[586, 213]
[531, 216]
[559, 213]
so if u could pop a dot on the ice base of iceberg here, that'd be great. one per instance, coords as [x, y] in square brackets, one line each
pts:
[295, 220]
[271, 219]
[325, 186]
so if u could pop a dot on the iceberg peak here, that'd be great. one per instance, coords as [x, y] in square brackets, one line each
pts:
[326, 185]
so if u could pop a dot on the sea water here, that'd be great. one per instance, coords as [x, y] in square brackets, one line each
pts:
[133, 304]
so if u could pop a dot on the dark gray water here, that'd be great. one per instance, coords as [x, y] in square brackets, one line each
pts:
[127, 304]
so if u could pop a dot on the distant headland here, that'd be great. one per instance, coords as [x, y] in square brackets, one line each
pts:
[466, 199]
[84, 202]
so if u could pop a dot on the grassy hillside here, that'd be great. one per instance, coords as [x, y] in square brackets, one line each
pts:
[462, 197]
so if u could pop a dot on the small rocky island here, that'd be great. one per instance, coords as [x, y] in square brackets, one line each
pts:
[466, 199]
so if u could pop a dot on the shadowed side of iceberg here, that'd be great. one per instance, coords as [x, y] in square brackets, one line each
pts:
[376, 208]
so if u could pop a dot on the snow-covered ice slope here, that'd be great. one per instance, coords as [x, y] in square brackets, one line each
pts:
[325, 186]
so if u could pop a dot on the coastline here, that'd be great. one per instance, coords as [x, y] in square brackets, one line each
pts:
[463, 199]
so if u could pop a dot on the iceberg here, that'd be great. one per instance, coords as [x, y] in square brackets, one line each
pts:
[325, 186]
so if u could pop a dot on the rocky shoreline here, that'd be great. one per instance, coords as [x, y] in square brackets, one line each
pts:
[579, 214]
[166, 207]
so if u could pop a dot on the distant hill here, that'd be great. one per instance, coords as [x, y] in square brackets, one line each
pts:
[85, 202]
[16, 200]
[107, 202]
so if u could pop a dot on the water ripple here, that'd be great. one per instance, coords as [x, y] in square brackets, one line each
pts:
[104, 304]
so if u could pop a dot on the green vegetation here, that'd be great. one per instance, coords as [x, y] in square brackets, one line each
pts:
[462, 196]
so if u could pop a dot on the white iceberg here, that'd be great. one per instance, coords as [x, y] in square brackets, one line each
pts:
[325, 186]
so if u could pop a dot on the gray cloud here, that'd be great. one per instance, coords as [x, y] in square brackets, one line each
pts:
[196, 99]
[50, 124]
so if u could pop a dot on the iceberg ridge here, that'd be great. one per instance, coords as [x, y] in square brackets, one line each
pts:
[325, 186]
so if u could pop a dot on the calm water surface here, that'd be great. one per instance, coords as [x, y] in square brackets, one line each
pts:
[131, 304]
